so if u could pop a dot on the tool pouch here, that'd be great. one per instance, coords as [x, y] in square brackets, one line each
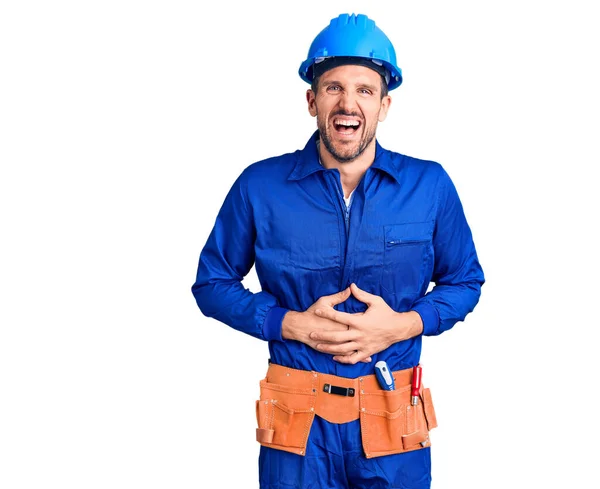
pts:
[290, 398]
[285, 415]
[390, 424]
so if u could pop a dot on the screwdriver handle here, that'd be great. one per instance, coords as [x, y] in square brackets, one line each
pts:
[384, 376]
[416, 385]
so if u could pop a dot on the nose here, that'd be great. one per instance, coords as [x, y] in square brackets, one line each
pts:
[347, 101]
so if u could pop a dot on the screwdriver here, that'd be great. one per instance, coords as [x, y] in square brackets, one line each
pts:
[416, 385]
[384, 376]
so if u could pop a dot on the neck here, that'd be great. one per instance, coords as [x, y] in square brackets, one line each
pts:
[351, 172]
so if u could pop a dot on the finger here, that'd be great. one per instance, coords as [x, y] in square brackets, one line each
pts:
[363, 295]
[333, 336]
[337, 298]
[337, 348]
[337, 316]
[351, 359]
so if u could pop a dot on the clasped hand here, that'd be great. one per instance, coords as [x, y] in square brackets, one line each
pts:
[353, 338]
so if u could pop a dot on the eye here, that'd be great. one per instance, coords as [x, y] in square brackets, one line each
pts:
[334, 88]
[365, 91]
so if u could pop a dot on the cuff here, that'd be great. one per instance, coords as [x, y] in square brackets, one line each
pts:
[429, 316]
[272, 325]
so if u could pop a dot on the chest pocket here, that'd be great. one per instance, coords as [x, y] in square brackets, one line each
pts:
[407, 256]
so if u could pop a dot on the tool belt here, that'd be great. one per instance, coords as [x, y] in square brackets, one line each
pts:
[290, 398]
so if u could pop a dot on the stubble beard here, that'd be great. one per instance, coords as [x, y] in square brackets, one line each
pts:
[349, 155]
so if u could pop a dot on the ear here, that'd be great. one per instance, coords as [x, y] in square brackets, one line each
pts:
[311, 98]
[385, 106]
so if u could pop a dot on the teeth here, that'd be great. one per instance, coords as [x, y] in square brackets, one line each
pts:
[347, 123]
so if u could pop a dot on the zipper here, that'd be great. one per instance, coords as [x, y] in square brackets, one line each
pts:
[394, 242]
[335, 188]
[347, 213]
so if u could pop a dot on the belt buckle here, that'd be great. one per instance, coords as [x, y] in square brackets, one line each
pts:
[340, 391]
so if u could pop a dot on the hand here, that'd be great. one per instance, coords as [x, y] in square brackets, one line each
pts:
[298, 325]
[369, 332]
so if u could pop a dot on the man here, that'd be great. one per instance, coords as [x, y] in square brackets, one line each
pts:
[346, 237]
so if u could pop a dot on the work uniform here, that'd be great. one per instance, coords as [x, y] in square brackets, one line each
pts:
[287, 216]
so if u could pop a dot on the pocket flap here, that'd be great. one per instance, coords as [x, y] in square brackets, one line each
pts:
[264, 435]
[408, 232]
[386, 414]
[412, 439]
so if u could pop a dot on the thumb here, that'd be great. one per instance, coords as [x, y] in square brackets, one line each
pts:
[338, 297]
[362, 295]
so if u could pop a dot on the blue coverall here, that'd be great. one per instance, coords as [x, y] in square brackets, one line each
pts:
[287, 216]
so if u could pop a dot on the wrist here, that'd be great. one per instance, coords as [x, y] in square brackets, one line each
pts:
[288, 325]
[416, 323]
[408, 325]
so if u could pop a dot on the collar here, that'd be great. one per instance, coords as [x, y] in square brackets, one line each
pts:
[307, 161]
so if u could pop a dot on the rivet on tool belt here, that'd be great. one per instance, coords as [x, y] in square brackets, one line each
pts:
[340, 391]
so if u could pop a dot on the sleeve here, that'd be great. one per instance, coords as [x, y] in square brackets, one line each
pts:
[457, 274]
[225, 260]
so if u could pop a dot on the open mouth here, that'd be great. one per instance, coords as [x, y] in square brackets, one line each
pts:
[346, 126]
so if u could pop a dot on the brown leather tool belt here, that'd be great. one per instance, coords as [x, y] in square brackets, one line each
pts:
[290, 398]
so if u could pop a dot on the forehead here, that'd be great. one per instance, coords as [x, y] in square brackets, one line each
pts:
[352, 74]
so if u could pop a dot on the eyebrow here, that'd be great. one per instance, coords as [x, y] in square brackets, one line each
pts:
[373, 88]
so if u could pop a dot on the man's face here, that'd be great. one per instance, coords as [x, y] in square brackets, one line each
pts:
[348, 106]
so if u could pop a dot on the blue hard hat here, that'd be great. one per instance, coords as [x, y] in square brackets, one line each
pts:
[354, 36]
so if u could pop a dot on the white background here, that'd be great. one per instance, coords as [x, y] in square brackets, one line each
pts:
[122, 126]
